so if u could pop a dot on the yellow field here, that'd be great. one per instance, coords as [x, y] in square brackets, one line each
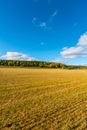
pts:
[43, 99]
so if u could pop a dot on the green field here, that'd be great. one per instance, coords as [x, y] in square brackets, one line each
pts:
[43, 99]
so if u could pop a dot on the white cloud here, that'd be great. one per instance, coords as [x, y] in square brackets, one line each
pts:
[72, 52]
[80, 50]
[16, 56]
[83, 40]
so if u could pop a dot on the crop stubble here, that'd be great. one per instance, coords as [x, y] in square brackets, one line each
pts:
[43, 99]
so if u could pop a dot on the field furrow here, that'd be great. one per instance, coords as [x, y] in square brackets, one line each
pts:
[43, 99]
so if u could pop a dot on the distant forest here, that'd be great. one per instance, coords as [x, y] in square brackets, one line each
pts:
[38, 64]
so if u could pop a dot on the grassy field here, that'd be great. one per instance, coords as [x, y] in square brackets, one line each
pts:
[43, 99]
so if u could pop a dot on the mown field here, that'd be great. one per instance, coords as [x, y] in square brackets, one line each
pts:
[43, 99]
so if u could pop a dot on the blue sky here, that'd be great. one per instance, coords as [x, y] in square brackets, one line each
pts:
[47, 30]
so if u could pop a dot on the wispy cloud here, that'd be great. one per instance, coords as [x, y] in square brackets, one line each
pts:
[80, 50]
[38, 23]
[43, 24]
[46, 24]
[34, 21]
[52, 16]
[16, 56]
[55, 13]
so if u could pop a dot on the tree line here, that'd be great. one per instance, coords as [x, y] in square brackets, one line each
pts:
[39, 64]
